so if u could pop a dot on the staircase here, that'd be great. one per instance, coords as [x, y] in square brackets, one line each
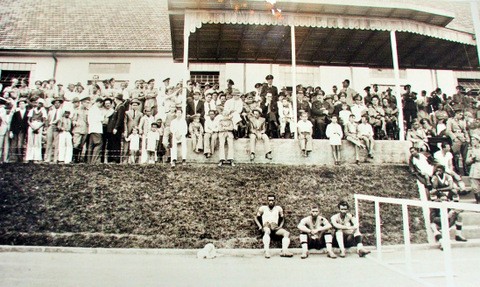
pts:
[471, 220]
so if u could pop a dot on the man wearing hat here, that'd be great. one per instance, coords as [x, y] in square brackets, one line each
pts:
[269, 106]
[80, 127]
[211, 134]
[50, 91]
[348, 91]
[132, 119]
[54, 115]
[229, 88]
[368, 96]
[18, 131]
[257, 132]
[409, 106]
[116, 127]
[95, 130]
[457, 131]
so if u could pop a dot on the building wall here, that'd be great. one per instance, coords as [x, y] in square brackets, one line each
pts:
[77, 69]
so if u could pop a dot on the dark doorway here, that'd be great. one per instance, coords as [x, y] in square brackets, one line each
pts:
[7, 76]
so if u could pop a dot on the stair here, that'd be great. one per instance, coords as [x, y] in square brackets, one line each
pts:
[471, 220]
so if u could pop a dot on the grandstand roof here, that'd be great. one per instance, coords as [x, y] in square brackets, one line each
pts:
[87, 25]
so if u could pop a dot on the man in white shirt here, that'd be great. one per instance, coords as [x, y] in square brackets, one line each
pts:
[358, 108]
[54, 115]
[349, 91]
[270, 220]
[95, 119]
[234, 107]
[365, 134]
[211, 134]
[178, 129]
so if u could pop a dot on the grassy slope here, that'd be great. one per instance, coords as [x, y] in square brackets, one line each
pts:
[157, 207]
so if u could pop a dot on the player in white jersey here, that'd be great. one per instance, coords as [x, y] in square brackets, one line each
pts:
[347, 231]
[270, 219]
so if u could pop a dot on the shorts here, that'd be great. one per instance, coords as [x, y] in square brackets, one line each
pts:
[318, 242]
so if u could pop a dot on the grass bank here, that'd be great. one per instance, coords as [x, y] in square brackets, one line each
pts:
[155, 206]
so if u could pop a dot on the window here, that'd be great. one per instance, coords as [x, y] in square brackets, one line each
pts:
[470, 84]
[204, 77]
[7, 76]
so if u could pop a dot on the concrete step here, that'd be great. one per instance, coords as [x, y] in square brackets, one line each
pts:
[471, 218]
[469, 232]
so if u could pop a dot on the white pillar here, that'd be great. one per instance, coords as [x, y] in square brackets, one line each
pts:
[294, 76]
[398, 93]
[476, 24]
[186, 75]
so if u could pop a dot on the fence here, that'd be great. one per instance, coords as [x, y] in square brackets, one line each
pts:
[405, 203]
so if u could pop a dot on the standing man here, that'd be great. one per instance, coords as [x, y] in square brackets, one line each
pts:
[457, 131]
[178, 129]
[54, 115]
[95, 131]
[270, 220]
[347, 230]
[18, 130]
[117, 127]
[80, 127]
[409, 106]
[348, 91]
[316, 233]
[195, 106]
[269, 106]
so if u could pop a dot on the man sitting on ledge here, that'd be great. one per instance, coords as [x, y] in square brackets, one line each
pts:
[270, 219]
[347, 230]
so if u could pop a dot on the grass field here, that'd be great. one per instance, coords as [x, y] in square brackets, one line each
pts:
[155, 206]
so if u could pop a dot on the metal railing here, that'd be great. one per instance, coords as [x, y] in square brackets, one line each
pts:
[405, 203]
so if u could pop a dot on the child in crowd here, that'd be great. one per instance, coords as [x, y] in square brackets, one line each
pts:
[133, 145]
[344, 114]
[305, 131]
[286, 116]
[335, 134]
[144, 127]
[153, 138]
[65, 145]
[196, 133]
[178, 129]
[160, 148]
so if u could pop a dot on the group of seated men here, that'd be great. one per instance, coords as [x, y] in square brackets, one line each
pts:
[316, 231]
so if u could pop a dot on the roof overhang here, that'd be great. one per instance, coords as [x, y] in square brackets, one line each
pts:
[238, 35]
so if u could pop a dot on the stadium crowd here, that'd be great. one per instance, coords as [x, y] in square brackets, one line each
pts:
[106, 121]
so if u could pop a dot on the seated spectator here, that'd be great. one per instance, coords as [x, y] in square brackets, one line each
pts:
[305, 131]
[391, 119]
[315, 233]
[473, 159]
[454, 218]
[418, 137]
[457, 131]
[225, 136]
[351, 134]
[319, 117]
[376, 116]
[195, 129]
[365, 134]
[211, 134]
[335, 134]
[285, 113]
[270, 220]
[430, 131]
[420, 166]
[442, 185]
[257, 132]
[347, 230]
[344, 115]
[358, 108]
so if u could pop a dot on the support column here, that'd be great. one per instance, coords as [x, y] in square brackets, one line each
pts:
[186, 72]
[294, 75]
[398, 92]
[476, 24]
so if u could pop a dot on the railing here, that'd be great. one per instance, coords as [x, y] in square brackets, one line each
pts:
[405, 203]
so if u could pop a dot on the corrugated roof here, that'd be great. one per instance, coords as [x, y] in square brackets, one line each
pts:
[86, 25]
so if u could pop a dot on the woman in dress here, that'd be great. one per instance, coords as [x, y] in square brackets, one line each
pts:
[335, 134]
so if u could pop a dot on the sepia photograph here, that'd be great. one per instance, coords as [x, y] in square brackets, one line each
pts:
[239, 143]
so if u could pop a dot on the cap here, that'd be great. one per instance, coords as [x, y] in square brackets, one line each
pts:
[269, 77]
[84, 97]
[76, 100]
[166, 79]
[230, 82]
[119, 97]
[22, 100]
[136, 101]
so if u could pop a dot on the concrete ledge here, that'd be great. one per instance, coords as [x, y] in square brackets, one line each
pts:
[287, 151]
[229, 252]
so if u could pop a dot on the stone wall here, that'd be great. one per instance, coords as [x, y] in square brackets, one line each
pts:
[287, 151]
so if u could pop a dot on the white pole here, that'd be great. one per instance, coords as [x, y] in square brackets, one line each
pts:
[476, 24]
[447, 248]
[378, 230]
[398, 93]
[406, 238]
[294, 76]
[186, 76]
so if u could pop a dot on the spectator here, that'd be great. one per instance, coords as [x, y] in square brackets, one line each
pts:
[132, 119]
[454, 218]
[107, 139]
[285, 113]
[37, 116]
[151, 94]
[195, 129]
[376, 115]
[80, 127]
[18, 130]
[95, 131]
[211, 134]
[409, 106]
[257, 132]
[133, 141]
[420, 167]
[54, 116]
[225, 135]
[144, 127]
[358, 108]
[178, 129]
[473, 159]
[234, 107]
[195, 106]
[116, 127]
[442, 185]
[315, 233]
[335, 134]
[270, 220]
[391, 119]
[348, 91]
[351, 134]
[305, 131]
[5, 119]
[365, 134]
[319, 117]
[153, 140]
[269, 106]
[456, 130]
[65, 147]
[418, 137]
[347, 230]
